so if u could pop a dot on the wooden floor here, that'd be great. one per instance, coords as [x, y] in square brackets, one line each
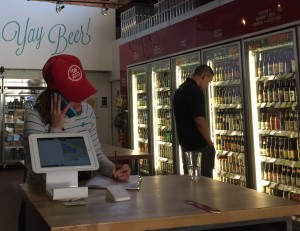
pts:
[10, 199]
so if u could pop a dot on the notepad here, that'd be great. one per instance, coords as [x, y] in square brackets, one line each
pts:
[101, 181]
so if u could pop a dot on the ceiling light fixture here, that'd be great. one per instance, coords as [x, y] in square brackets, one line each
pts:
[59, 6]
[104, 11]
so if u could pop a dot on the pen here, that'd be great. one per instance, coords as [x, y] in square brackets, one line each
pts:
[116, 161]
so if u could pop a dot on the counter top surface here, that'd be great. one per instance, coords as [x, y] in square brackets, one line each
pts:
[160, 204]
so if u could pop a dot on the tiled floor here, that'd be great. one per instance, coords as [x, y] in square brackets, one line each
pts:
[10, 199]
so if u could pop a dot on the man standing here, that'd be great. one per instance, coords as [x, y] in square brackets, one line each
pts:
[192, 127]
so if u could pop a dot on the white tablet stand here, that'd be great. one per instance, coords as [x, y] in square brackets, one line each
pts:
[64, 186]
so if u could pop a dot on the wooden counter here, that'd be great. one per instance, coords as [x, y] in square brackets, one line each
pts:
[158, 205]
[126, 154]
[123, 153]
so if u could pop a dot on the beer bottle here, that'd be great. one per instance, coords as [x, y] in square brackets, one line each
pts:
[260, 93]
[298, 178]
[283, 175]
[270, 172]
[293, 177]
[286, 149]
[286, 121]
[267, 123]
[276, 147]
[225, 71]
[291, 120]
[263, 146]
[275, 172]
[262, 121]
[275, 91]
[279, 172]
[265, 65]
[265, 174]
[281, 91]
[281, 64]
[272, 121]
[260, 66]
[275, 64]
[292, 93]
[270, 66]
[265, 93]
[281, 148]
[270, 91]
[276, 122]
[295, 125]
[281, 121]
[221, 77]
[286, 92]
[288, 176]
[216, 70]
[268, 146]
[271, 151]
[242, 143]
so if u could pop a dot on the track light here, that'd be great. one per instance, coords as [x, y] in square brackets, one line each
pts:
[59, 6]
[104, 11]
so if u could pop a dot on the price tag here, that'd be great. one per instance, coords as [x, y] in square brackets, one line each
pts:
[263, 105]
[288, 104]
[282, 105]
[277, 105]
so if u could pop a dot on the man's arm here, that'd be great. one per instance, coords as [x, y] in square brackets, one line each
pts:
[203, 128]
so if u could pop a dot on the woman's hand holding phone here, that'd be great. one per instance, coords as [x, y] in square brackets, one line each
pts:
[57, 114]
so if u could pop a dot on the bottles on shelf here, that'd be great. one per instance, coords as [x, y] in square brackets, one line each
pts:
[227, 114]
[227, 95]
[275, 62]
[277, 109]
[281, 180]
[277, 90]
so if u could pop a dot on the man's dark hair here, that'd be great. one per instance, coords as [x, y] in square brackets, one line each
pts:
[203, 70]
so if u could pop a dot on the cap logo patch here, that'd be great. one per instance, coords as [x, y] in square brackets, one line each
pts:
[74, 73]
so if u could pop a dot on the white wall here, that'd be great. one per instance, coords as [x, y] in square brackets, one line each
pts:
[32, 31]
[103, 114]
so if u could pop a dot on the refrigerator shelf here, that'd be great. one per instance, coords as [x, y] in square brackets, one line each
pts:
[229, 133]
[278, 105]
[276, 77]
[228, 106]
[227, 83]
[290, 134]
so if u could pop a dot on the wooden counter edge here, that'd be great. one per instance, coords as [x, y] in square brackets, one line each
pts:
[191, 220]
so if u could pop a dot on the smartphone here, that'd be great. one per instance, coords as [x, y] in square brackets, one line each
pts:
[71, 112]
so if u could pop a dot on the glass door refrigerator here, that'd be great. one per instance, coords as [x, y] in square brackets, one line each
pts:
[273, 82]
[226, 113]
[18, 96]
[139, 114]
[161, 117]
[182, 67]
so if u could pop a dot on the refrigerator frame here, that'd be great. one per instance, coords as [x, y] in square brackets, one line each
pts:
[296, 45]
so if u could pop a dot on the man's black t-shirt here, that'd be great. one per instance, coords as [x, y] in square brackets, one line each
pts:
[189, 102]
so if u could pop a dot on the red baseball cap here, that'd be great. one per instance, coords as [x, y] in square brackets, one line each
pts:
[65, 74]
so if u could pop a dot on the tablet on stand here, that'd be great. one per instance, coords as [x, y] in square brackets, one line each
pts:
[60, 156]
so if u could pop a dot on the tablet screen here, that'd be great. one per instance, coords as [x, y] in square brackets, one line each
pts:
[63, 151]
[56, 152]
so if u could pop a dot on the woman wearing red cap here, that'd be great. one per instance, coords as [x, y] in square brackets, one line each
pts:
[64, 76]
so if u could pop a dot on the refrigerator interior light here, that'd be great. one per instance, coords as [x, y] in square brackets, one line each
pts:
[256, 150]
[153, 100]
[180, 154]
[134, 112]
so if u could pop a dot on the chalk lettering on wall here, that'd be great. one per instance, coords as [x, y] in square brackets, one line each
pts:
[59, 35]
